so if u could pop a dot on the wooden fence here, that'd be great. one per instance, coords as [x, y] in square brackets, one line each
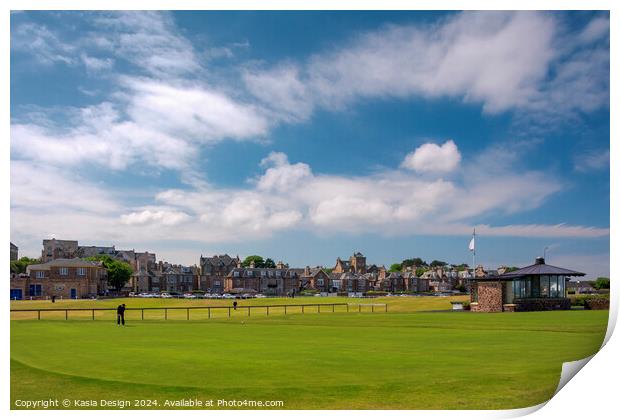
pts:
[245, 309]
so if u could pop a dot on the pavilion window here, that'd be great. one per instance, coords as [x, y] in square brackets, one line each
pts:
[553, 286]
[544, 286]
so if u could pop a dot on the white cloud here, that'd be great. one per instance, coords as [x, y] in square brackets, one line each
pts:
[431, 157]
[280, 175]
[592, 160]
[521, 61]
[150, 216]
[94, 64]
[149, 40]
[44, 46]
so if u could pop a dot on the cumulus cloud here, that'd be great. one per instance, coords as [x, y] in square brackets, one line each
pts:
[431, 157]
[149, 216]
[521, 61]
[280, 175]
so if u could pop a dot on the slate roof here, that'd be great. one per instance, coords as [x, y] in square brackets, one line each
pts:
[64, 262]
[539, 268]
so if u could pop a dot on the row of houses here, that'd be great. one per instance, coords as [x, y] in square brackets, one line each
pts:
[64, 272]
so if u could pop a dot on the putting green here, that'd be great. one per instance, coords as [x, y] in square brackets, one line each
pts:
[438, 360]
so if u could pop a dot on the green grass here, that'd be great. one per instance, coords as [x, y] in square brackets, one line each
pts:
[405, 359]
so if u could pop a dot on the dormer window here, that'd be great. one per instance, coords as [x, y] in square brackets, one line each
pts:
[40, 274]
[64, 271]
[81, 271]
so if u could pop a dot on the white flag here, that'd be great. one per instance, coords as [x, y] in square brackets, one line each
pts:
[472, 244]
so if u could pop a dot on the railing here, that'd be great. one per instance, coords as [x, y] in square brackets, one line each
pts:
[246, 309]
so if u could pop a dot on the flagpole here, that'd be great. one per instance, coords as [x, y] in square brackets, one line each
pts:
[474, 255]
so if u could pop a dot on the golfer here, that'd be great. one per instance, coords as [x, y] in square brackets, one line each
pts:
[120, 314]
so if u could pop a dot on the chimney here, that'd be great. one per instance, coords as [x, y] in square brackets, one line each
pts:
[252, 265]
[307, 271]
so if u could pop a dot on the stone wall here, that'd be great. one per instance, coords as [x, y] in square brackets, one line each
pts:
[489, 297]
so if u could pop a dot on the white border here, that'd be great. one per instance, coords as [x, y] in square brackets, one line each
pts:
[589, 395]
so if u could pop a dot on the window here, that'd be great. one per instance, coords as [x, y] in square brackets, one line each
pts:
[81, 271]
[35, 290]
[263, 273]
[248, 273]
[319, 282]
[40, 274]
[336, 284]
[235, 274]
[544, 286]
[216, 282]
[64, 271]
[553, 286]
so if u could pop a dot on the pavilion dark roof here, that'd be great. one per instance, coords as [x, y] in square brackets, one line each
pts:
[540, 268]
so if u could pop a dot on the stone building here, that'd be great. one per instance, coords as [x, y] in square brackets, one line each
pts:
[54, 249]
[355, 264]
[213, 272]
[66, 278]
[536, 287]
[269, 281]
[14, 252]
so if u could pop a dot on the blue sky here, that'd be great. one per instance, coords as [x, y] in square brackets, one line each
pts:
[304, 136]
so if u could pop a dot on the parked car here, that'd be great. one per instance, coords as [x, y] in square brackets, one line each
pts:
[227, 296]
[260, 295]
[165, 295]
[144, 295]
[189, 296]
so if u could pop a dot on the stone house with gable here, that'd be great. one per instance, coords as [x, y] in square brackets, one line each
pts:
[63, 278]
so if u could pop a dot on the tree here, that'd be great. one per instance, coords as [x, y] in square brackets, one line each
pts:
[19, 266]
[259, 262]
[269, 263]
[119, 272]
[511, 269]
[395, 268]
[410, 262]
[601, 283]
[419, 271]
[438, 263]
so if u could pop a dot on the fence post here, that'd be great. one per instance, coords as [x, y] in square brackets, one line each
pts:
[302, 308]
[166, 314]
[319, 306]
[39, 315]
[66, 314]
[142, 314]
[285, 309]
[229, 312]
[267, 310]
[372, 308]
[359, 307]
[209, 312]
[248, 311]
[93, 314]
[333, 308]
[188, 314]
[386, 307]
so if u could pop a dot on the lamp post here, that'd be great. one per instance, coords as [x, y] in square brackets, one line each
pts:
[545, 253]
